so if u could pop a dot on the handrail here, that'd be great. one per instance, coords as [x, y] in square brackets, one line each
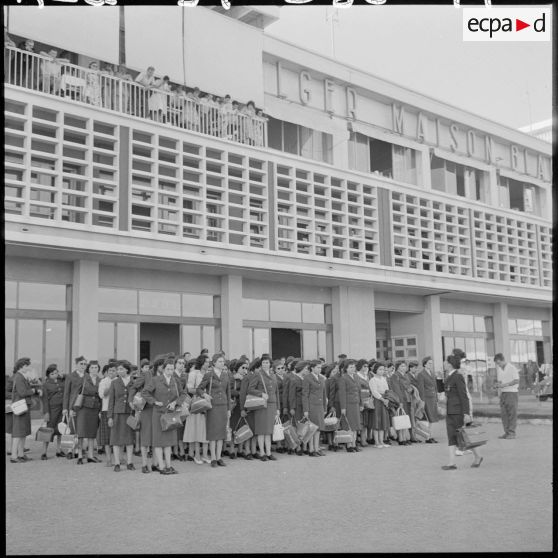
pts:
[60, 78]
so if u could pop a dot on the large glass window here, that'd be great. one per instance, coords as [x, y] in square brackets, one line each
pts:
[446, 322]
[312, 313]
[42, 296]
[154, 303]
[118, 301]
[261, 342]
[456, 179]
[463, 322]
[520, 196]
[191, 339]
[9, 345]
[55, 343]
[309, 344]
[208, 337]
[404, 164]
[197, 305]
[30, 343]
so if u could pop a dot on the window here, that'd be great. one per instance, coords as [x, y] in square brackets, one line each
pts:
[42, 296]
[55, 343]
[192, 339]
[381, 160]
[127, 341]
[30, 343]
[404, 347]
[519, 196]
[457, 179]
[197, 305]
[106, 341]
[118, 301]
[9, 344]
[299, 140]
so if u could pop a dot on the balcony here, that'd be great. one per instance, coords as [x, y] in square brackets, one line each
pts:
[79, 166]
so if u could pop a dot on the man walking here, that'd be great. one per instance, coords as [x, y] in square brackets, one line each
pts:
[508, 384]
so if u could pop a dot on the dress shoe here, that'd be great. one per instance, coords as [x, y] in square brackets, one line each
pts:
[93, 460]
[145, 469]
[503, 436]
[137, 453]
[69, 456]
[26, 450]
[221, 463]
[206, 460]
[197, 461]
[386, 443]
[130, 467]
[477, 465]
[356, 448]
[299, 452]
[25, 458]
[44, 457]
[433, 441]
[429, 441]
[449, 467]
[60, 454]
[402, 443]
[173, 471]
[313, 454]
[165, 471]
[363, 444]
[271, 457]
[214, 463]
[155, 468]
[264, 458]
[117, 468]
[320, 453]
[510, 437]
[350, 450]
[248, 457]
[100, 451]
[232, 455]
[80, 461]
[14, 460]
[306, 452]
[225, 453]
[189, 458]
[181, 458]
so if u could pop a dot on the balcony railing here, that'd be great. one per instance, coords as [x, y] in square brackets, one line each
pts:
[84, 85]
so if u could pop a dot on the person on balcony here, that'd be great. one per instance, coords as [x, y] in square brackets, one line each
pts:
[259, 122]
[122, 96]
[25, 66]
[108, 86]
[248, 136]
[226, 110]
[51, 71]
[139, 98]
[158, 101]
[93, 85]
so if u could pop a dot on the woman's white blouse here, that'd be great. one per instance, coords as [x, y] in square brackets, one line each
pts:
[378, 386]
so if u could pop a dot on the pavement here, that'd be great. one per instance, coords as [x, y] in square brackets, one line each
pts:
[379, 500]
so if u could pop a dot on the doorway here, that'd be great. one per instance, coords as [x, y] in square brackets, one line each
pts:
[285, 342]
[157, 339]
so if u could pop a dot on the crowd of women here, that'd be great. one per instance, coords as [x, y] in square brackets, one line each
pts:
[146, 95]
[205, 408]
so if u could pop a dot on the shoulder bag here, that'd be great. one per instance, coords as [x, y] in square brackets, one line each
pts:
[133, 421]
[170, 421]
[138, 402]
[243, 433]
[471, 436]
[69, 442]
[201, 404]
[18, 407]
[44, 434]
[255, 402]
[79, 399]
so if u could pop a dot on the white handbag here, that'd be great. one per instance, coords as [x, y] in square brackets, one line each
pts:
[401, 421]
[19, 407]
[278, 431]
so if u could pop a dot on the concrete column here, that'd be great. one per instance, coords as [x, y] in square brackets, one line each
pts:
[501, 330]
[85, 309]
[432, 331]
[232, 334]
[547, 338]
[354, 322]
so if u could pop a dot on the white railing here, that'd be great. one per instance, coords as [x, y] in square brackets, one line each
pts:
[58, 77]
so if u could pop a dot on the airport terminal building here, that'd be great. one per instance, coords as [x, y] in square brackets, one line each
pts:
[358, 216]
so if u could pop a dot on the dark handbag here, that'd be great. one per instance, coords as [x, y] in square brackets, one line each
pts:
[200, 405]
[44, 434]
[133, 421]
[243, 433]
[471, 436]
[170, 421]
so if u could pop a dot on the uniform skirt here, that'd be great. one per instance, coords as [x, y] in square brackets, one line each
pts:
[120, 433]
[366, 418]
[316, 415]
[431, 409]
[264, 419]
[87, 422]
[380, 417]
[21, 425]
[103, 435]
[146, 418]
[161, 439]
[195, 428]
[453, 422]
[216, 423]
[54, 417]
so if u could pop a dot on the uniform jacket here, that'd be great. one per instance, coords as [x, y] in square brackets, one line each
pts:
[157, 390]
[280, 387]
[219, 388]
[426, 384]
[313, 392]
[400, 384]
[119, 397]
[331, 391]
[348, 391]
[53, 394]
[456, 395]
[412, 379]
[295, 392]
[285, 394]
[22, 389]
[256, 386]
[73, 386]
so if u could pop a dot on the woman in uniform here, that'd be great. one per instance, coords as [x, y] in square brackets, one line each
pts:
[295, 397]
[264, 384]
[53, 394]
[426, 385]
[314, 403]
[163, 392]
[238, 369]
[366, 415]
[119, 407]
[350, 401]
[216, 384]
[250, 446]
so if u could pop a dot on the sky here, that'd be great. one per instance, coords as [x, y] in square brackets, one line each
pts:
[421, 47]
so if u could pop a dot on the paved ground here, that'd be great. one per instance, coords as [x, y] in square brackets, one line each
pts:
[529, 407]
[387, 500]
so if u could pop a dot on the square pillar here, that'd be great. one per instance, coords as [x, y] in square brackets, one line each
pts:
[432, 331]
[501, 330]
[85, 309]
[354, 322]
[232, 333]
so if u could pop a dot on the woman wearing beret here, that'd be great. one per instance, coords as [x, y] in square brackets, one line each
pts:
[195, 428]
[119, 408]
[216, 384]
[21, 426]
[295, 397]
[53, 394]
[163, 392]
[314, 404]
[264, 384]
[350, 400]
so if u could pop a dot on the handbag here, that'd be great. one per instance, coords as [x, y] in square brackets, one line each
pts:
[63, 427]
[345, 436]
[312, 429]
[19, 407]
[401, 420]
[278, 429]
[138, 402]
[199, 405]
[185, 408]
[133, 421]
[69, 442]
[170, 421]
[44, 434]
[471, 436]
[243, 433]
[79, 399]
[290, 435]
[367, 401]
[422, 429]
[302, 428]
[331, 422]
[255, 402]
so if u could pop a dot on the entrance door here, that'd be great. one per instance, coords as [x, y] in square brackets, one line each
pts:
[285, 342]
[157, 339]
